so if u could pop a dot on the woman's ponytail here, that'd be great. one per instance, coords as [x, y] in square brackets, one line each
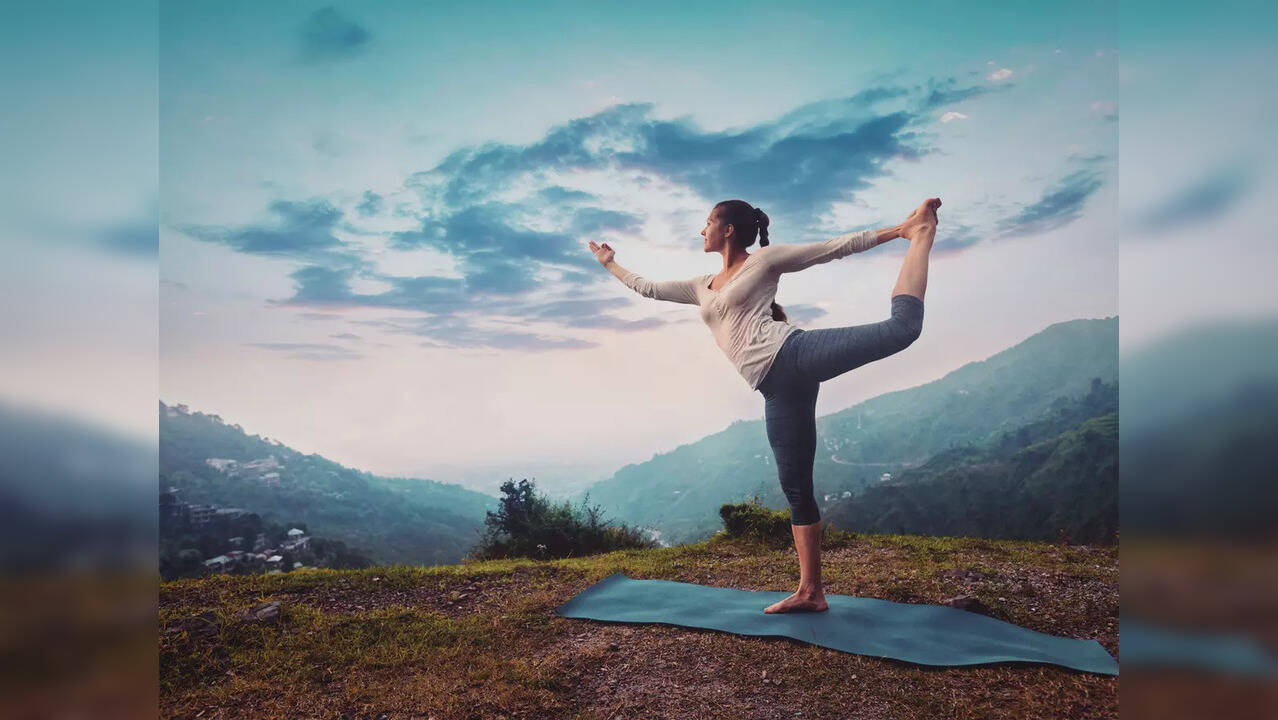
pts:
[761, 220]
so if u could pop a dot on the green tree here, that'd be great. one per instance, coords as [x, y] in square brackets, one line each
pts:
[527, 524]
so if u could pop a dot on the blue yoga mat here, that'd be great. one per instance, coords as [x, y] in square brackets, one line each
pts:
[922, 634]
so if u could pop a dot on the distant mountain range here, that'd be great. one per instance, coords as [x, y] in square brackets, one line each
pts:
[392, 520]
[1045, 390]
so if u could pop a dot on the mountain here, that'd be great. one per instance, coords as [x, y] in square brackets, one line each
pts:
[392, 520]
[679, 492]
[1064, 486]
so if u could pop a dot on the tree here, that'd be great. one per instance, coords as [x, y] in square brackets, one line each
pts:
[526, 524]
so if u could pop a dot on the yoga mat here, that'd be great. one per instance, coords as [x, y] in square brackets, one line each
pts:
[922, 634]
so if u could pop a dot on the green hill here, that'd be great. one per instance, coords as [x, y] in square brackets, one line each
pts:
[392, 520]
[1011, 398]
[1066, 485]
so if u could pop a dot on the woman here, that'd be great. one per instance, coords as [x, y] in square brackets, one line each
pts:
[783, 362]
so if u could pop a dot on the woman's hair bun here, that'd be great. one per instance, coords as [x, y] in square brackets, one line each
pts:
[762, 219]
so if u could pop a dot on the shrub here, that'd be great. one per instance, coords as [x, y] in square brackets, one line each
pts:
[527, 524]
[755, 521]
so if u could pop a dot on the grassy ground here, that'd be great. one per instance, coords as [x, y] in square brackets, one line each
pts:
[481, 640]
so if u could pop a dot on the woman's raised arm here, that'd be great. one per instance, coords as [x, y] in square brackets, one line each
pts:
[792, 258]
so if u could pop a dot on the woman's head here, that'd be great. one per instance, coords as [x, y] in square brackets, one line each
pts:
[736, 222]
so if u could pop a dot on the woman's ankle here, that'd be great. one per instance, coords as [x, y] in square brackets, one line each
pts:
[810, 589]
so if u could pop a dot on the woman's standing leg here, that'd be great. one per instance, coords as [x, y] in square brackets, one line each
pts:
[790, 417]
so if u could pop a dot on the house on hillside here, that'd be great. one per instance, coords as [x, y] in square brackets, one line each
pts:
[222, 464]
[219, 563]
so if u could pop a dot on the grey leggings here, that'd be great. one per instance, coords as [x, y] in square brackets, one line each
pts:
[806, 359]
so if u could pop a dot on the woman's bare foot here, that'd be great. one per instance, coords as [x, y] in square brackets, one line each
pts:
[800, 602]
[922, 221]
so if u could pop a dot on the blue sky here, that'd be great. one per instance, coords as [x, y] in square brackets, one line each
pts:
[374, 217]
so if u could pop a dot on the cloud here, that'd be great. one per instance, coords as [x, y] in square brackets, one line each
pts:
[304, 231]
[517, 236]
[952, 116]
[370, 205]
[140, 237]
[589, 221]
[798, 165]
[310, 351]
[1058, 206]
[1000, 74]
[326, 35]
[560, 194]
[460, 332]
[319, 316]
[345, 336]
[947, 92]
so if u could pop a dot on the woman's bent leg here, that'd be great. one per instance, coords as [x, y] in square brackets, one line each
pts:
[826, 353]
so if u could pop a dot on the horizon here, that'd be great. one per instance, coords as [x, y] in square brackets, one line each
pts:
[560, 488]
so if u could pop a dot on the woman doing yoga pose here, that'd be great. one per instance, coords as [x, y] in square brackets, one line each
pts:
[785, 363]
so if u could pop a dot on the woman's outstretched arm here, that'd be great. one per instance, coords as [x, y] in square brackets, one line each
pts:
[680, 291]
[792, 258]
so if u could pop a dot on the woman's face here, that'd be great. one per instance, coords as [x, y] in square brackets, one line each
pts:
[715, 232]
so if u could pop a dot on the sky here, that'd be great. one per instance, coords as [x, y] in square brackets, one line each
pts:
[374, 218]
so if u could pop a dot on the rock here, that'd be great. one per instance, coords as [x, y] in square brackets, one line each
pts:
[968, 603]
[267, 612]
[614, 647]
[765, 675]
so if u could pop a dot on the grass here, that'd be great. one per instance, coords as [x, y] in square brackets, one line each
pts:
[481, 639]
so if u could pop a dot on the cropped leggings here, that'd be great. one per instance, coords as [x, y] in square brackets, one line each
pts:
[806, 359]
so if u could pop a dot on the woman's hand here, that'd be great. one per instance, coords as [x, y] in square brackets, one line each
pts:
[603, 253]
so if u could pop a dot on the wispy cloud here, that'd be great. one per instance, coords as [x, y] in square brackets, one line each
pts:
[326, 35]
[304, 231]
[1059, 205]
[370, 205]
[310, 351]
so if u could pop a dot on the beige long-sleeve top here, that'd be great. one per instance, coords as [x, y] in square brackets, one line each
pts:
[739, 314]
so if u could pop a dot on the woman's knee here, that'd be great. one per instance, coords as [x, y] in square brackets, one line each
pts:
[804, 512]
[907, 318]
